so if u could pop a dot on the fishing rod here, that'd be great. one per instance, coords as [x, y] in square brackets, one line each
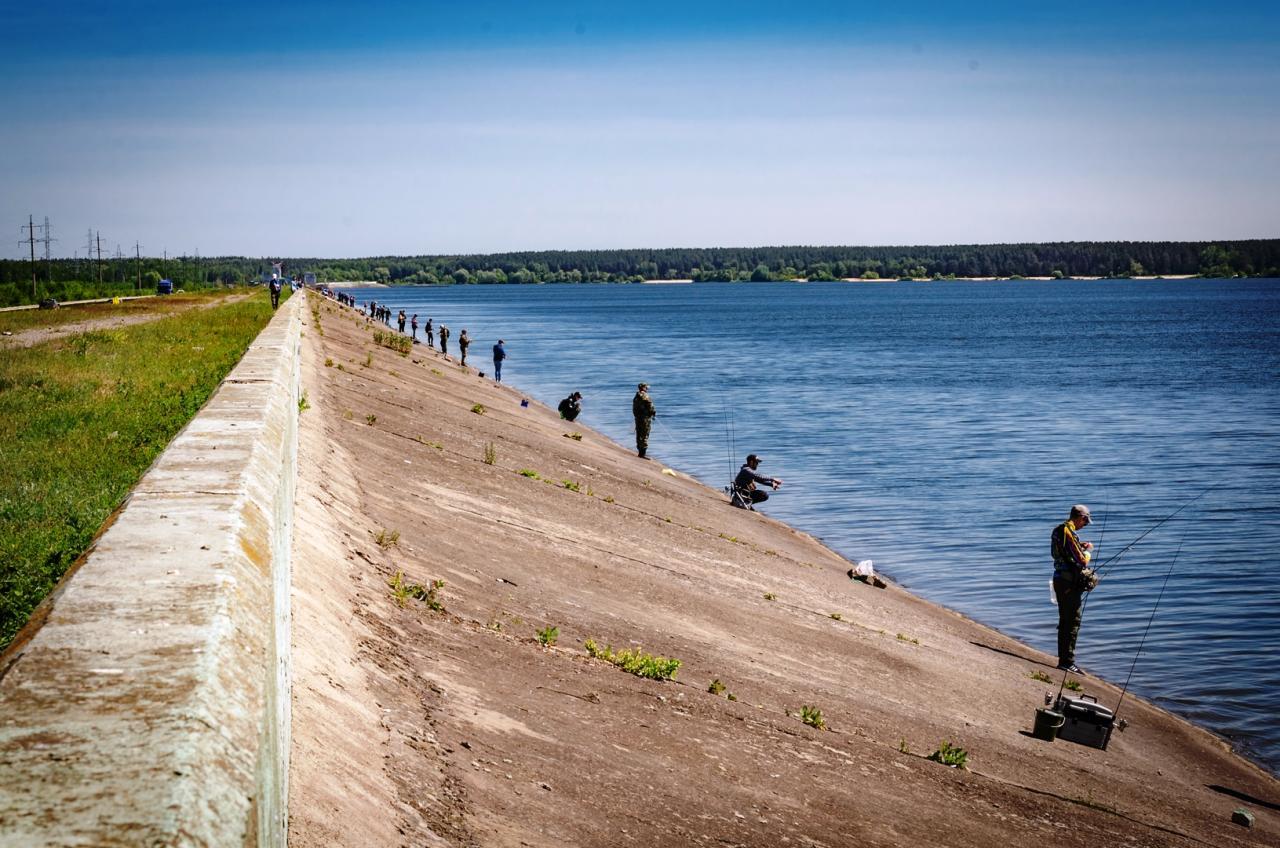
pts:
[1151, 619]
[1150, 530]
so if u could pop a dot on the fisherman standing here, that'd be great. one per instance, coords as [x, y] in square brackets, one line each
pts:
[414, 325]
[464, 342]
[571, 407]
[444, 339]
[1072, 577]
[745, 494]
[643, 410]
[499, 354]
[431, 334]
[400, 319]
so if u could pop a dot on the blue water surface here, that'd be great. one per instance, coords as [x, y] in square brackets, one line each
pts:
[943, 428]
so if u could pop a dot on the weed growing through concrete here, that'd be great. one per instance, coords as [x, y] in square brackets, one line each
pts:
[635, 661]
[530, 473]
[341, 367]
[368, 359]
[837, 616]
[608, 498]
[437, 372]
[902, 637]
[394, 341]
[812, 716]
[570, 485]
[435, 445]
[1041, 676]
[732, 697]
[371, 419]
[328, 362]
[547, 636]
[1088, 801]
[770, 596]
[490, 453]
[1074, 686]
[348, 414]
[950, 755]
[386, 538]
[903, 747]
[479, 409]
[577, 437]
[303, 403]
[716, 687]
[403, 592]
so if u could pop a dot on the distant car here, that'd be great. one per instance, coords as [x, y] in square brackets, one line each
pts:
[164, 287]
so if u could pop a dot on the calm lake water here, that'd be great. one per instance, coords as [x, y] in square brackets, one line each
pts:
[942, 429]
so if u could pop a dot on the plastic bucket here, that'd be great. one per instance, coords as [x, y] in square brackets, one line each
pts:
[1047, 724]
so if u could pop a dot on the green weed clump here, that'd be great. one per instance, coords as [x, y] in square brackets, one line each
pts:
[479, 409]
[386, 538]
[770, 596]
[812, 716]
[303, 403]
[328, 362]
[950, 755]
[1041, 676]
[393, 341]
[837, 616]
[490, 453]
[577, 437]
[77, 431]
[902, 637]
[635, 661]
[570, 485]
[716, 687]
[1073, 686]
[530, 473]
[547, 636]
[403, 592]
[371, 419]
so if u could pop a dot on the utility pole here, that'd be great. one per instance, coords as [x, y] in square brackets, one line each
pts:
[98, 238]
[30, 227]
[137, 249]
[48, 260]
[88, 247]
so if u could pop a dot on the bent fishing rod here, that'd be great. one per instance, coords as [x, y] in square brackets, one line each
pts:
[1150, 530]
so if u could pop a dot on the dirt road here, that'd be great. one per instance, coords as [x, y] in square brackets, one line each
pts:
[105, 316]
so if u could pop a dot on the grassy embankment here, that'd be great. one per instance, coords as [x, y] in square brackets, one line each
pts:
[82, 418]
[27, 319]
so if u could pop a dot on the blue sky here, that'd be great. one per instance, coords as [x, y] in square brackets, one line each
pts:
[399, 128]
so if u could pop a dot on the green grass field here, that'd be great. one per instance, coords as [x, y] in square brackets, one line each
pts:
[82, 418]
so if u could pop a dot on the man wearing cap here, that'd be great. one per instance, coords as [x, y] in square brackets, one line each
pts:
[1072, 577]
[643, 411]
[499, 354]
[745, 494]
[571, 407]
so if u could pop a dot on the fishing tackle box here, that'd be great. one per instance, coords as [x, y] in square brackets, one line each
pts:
[1086, 721]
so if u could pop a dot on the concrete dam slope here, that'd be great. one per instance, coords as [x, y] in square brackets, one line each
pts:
[437, 716]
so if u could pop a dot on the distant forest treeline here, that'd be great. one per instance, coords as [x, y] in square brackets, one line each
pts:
[68, 279]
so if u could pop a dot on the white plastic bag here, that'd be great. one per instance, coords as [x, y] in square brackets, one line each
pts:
[864, 569]
[1053, 596]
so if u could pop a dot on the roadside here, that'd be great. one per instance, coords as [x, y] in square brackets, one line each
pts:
[487, 723]
[26, 329]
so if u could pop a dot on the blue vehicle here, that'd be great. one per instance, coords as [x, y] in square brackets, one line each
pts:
[164, 287]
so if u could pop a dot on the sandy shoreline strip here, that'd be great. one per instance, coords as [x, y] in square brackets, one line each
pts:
[459, 727]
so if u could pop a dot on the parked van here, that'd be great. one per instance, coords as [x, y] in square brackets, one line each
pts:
[164, 287]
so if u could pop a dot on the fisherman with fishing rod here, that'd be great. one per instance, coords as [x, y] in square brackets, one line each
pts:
[745, 494]
[1072, 578]
[643, 410]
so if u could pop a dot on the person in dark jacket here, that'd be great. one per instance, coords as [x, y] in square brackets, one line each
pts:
[444, 339]
[430, 330]
[1072, 577]
[499, 354]
[745, 493]
[400, 319]
[643, 411]
[571, 407]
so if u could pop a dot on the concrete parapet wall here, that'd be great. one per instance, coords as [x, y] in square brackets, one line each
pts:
[148, 701]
